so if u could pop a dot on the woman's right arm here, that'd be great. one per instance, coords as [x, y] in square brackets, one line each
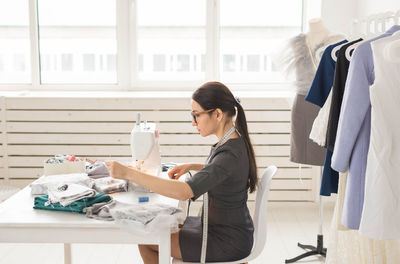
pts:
[179, 170]
[196, 166]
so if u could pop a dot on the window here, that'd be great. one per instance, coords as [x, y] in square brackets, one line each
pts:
[14, 42]
[19, 62]
[183, 63]
[229, 63]
[253, 63]
[89, 62]
[161, 44]
[159, 63]
[164, 32]
[251, 29]
[75, 31]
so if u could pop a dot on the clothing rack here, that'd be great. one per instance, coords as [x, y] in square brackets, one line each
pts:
[313, 250]
[374, 24]
[366, 27]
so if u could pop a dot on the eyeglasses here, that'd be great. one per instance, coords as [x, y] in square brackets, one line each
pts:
[195, 115]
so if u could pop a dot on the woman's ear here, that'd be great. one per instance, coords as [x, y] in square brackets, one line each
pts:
[220, 114]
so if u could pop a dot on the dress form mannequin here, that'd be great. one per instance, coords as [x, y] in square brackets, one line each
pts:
[317, 32]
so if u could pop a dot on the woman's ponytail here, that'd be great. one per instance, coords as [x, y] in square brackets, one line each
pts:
[241, 126]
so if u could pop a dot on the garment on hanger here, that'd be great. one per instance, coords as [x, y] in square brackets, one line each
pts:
[320, 124]
[381, 213]
[318, 93]
[302, 61]
[353, 134]
[323, 79]
[351, 247]
[341, 71]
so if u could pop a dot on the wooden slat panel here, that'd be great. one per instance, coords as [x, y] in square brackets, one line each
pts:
[290, 173]
[96, 116]
[185, 139]
[124, 150]
[183, 127]
[287, 196]
[2, 173]
[26, 173]
[291, 184]
[306, 173]
[31, 161]
[134, 103]
[261, 161]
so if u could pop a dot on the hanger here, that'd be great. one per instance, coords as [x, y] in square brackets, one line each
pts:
[353, 29]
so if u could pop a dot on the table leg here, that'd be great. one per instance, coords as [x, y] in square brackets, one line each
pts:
[164, 254]
[67, 253]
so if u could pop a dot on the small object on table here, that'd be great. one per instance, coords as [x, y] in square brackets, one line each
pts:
[143, 199]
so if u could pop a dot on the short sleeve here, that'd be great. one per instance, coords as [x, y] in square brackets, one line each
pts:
[214, 173]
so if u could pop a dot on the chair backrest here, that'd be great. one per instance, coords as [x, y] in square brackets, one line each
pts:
[260, 213]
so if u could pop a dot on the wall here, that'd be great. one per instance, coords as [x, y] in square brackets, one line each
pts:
[339, 14]
[368, 7]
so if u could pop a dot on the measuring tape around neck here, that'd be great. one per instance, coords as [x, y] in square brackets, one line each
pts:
[205, 201]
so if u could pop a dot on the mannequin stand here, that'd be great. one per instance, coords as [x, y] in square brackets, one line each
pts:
[319, 249]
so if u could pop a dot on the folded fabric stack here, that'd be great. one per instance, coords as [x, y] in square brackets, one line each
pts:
[42, 202]
[41, 185]
[65, 194]
[97, 169]
[110, 185]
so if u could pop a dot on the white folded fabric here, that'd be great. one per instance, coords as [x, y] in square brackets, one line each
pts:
[41, 185]
[65, 194]
[147, 218]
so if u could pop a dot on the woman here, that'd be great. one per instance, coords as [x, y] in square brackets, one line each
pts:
[229, 172]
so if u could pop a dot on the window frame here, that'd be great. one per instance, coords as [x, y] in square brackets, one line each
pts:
[127, 57]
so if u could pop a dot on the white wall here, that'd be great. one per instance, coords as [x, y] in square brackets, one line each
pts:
[338, 14]
[368, 7]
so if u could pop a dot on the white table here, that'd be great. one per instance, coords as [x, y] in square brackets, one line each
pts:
[20, 223]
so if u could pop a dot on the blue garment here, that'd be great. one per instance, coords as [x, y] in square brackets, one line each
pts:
[353, 135]
[317, 94]
[323, 79]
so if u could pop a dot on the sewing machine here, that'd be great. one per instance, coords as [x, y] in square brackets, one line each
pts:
[145, 148]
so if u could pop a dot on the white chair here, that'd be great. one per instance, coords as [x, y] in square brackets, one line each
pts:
[259, 219]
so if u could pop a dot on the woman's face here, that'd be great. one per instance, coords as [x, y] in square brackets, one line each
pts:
[206, 122]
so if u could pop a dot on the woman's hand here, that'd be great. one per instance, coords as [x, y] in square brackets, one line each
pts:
[117, 170]
[178, 171]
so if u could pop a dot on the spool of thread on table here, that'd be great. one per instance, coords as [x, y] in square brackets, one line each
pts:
[143, 199]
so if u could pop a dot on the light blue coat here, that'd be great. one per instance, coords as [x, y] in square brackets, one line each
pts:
[353, 135]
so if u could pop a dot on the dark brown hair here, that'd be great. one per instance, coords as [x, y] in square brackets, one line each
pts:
[213, 95]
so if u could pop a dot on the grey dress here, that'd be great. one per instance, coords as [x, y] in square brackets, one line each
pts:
[230, 227]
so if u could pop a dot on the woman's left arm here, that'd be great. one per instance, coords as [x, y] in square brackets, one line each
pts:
[171, 188]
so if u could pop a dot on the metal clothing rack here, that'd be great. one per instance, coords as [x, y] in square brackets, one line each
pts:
[313, 250]
[379, 22]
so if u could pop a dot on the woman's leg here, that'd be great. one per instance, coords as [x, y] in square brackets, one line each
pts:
[149, 253]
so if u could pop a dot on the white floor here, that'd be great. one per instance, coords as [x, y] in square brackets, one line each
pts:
[288, 223]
